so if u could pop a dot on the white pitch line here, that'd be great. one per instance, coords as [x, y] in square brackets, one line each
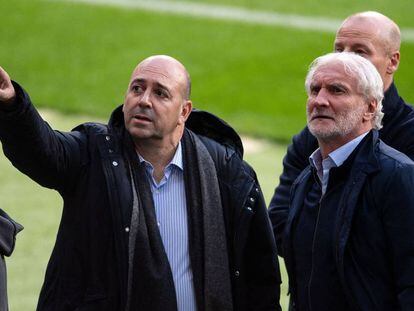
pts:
[230, 13]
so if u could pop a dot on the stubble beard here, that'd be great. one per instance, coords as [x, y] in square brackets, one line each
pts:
[343, 125]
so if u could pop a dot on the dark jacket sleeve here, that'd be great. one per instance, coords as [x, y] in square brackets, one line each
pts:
[49, 157]
[263, 274]
[294, 162]
[398, 132]
[397, 202]
[8, 230]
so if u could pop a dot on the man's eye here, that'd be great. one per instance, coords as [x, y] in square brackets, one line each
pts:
[161, 93]
[338, 49]
[360, 52]
[314, 90]
[137, 88]
[336, 90]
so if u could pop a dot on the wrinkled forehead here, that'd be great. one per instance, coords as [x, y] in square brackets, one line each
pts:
[160, 71]
[362, 31]
[334, 73]
[331, 70]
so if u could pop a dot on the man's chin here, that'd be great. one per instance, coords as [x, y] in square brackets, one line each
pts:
[324, 133]
[138, 133]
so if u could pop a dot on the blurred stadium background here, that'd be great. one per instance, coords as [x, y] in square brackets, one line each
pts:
[75, 60]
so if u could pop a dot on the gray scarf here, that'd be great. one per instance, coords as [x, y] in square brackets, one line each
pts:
[150, 285]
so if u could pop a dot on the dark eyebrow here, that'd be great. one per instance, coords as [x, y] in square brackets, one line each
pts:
[137, 80]
[157, 84]
[162, 86]
[339, 85]
[313, 85]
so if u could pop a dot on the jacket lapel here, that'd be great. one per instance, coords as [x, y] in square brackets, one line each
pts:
[364, 163]
[297, 194]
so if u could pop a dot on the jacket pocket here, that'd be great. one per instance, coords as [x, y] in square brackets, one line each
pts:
[95, 304]
[94, 301]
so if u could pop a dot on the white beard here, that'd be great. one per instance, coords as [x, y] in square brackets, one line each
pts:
[345, 122]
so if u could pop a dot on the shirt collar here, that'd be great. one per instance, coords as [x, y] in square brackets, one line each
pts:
[334, 159]
[315, 158]
[177, 159]
[338, 156]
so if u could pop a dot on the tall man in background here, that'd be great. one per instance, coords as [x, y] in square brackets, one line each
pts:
[376, 38]
[156, 216]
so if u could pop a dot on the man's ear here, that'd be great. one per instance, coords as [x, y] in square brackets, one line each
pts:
[394, 62]
[185, 111]
[370, 113]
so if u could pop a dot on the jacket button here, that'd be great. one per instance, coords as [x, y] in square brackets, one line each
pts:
[249, 209]
[114, 163]
[237, 273]
[107, 138]
[256, 189]
[126, 229]
[251, 200]
[110, 151]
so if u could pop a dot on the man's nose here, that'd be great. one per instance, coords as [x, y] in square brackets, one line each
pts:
[145, 100]
[321, 99]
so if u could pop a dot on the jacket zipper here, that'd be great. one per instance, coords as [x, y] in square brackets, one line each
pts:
[313, 253]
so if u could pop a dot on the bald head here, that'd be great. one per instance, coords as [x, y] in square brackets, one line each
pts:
[173, 69]
[386, 30]
[156, 104]
[375, 37]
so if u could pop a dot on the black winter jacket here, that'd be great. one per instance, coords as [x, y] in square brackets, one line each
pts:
[8, 230]
[397, 132]
[88, 267]
[373, 242]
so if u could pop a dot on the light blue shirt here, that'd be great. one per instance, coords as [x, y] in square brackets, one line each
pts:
[334, 159]
[171, 211]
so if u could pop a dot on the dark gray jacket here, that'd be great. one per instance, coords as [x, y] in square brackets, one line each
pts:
[8, 230]
[373, 242]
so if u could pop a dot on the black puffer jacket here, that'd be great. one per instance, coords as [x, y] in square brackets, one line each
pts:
[88, 267]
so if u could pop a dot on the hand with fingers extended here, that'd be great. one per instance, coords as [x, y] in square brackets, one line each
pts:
[7, 92]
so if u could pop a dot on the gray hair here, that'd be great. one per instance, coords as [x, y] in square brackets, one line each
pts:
[369, 80]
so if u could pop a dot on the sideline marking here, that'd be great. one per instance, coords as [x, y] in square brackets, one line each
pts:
[231, 13]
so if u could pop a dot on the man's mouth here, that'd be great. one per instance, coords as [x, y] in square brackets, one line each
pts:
[321, 116]
[142, 117]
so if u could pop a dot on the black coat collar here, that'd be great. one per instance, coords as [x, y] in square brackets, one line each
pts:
[390, 103]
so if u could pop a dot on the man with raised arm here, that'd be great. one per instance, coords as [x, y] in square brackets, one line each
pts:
[160, 211]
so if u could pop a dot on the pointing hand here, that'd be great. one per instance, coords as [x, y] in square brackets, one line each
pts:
[7, 92]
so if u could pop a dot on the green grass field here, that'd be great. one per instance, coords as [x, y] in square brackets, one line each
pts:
[76, 59]
[400, 11]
